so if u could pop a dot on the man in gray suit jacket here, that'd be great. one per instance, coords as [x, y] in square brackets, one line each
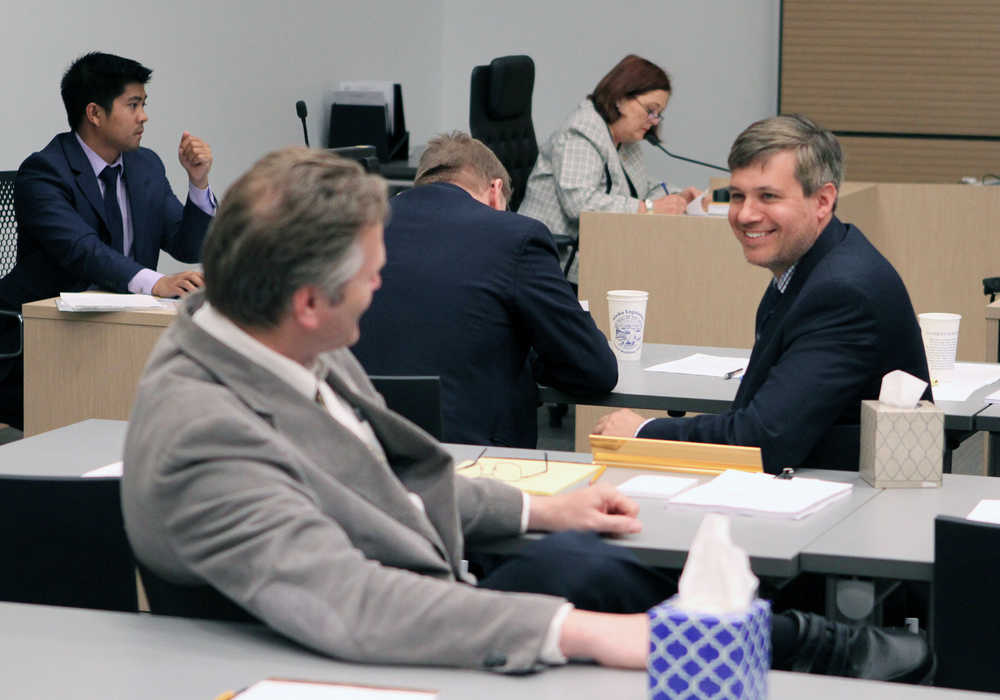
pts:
[259, 460]
[284, 482]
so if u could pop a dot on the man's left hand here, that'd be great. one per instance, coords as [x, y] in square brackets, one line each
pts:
[600, 508]
[621, 423]
[196, 157]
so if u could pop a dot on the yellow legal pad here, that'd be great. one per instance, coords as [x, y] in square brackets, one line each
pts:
[674, 455]
[530, 475]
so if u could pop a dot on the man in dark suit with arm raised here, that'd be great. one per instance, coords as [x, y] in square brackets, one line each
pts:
[94, 209]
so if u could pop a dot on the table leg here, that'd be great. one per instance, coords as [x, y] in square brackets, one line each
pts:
[992, 454]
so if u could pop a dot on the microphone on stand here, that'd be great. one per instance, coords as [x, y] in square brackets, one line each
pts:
[652, 138]
[300, 109]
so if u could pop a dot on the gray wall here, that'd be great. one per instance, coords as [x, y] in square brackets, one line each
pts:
[231, 71]
[722, 57]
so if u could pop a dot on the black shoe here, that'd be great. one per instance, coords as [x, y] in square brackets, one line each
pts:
[836, 649]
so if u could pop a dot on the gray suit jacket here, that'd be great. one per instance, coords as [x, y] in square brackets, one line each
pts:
[233, 479]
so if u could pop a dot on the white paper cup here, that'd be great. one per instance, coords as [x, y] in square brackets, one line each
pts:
[627, 316]
[940, 334]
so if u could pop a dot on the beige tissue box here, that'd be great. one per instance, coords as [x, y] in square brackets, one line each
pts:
[901, 447]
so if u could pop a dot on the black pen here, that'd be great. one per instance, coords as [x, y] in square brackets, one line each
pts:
[735, 373]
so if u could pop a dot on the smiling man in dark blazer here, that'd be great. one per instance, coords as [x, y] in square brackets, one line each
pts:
[94, 209]
[473, 293]
[835, 319]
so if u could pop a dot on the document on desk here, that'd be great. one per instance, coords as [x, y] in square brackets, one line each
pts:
[743, 493]
[705, 365]
[986, 511]
[653, 486]
[97, 301]
[535, 476]
[280, 689]
[108, 470]
[967, 378]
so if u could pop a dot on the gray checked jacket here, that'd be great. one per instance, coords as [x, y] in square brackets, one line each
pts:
[569, 176]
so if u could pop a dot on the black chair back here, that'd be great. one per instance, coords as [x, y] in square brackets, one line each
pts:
[62, 542]
[166, 598]
[966, 605]
[8, 224]
[418, 399]
[500, 116]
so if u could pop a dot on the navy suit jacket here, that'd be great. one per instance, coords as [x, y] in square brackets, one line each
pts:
[63, 240]
[844, 321]
[469, 293]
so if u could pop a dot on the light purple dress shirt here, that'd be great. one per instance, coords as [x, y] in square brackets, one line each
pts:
[145, 278]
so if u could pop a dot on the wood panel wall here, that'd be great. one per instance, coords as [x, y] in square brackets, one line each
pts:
[910, 86]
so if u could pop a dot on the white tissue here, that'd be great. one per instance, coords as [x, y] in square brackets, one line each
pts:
[695, 207]
[901, 389]
[716, 579]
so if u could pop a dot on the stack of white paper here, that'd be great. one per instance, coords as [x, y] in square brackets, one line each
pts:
[113, 469]
[700, 363]
[652, 486]
[276, 689]
[986, 511]
[743, 493]
[88, 301]
[369, 92]
[967, 378]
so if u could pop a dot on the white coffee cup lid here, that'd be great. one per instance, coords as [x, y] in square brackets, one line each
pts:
[627, 294]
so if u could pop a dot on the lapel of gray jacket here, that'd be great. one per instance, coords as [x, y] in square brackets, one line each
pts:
[418, 462]
[338, 452]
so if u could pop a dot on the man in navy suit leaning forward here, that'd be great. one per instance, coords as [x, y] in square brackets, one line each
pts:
[473, 293]
[94, 209]
[835, 319]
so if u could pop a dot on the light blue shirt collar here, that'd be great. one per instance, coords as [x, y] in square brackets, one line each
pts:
[96, 162]
[782, 282]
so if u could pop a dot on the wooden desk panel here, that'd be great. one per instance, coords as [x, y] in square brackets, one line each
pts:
[701, 289]
[84, 365]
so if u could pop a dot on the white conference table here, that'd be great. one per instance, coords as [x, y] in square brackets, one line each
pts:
[774, 545]
[668, 391]
[879, 533]
[53, 652]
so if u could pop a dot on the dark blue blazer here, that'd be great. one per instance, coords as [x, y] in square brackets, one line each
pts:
[469, 293]
[844, 321]
[63, 240]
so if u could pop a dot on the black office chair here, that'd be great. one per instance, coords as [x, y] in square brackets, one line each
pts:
[62, 542]
[500, 116]
[966, 607]
[175, 600]
[8, 224]
[418, 399]
[8, 256]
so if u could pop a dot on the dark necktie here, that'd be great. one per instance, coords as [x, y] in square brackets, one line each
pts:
[112, 210]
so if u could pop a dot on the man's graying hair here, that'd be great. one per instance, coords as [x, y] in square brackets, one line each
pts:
[290, 221]
[818, 158]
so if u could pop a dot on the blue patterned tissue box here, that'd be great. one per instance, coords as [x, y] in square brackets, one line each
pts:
[709, 656]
